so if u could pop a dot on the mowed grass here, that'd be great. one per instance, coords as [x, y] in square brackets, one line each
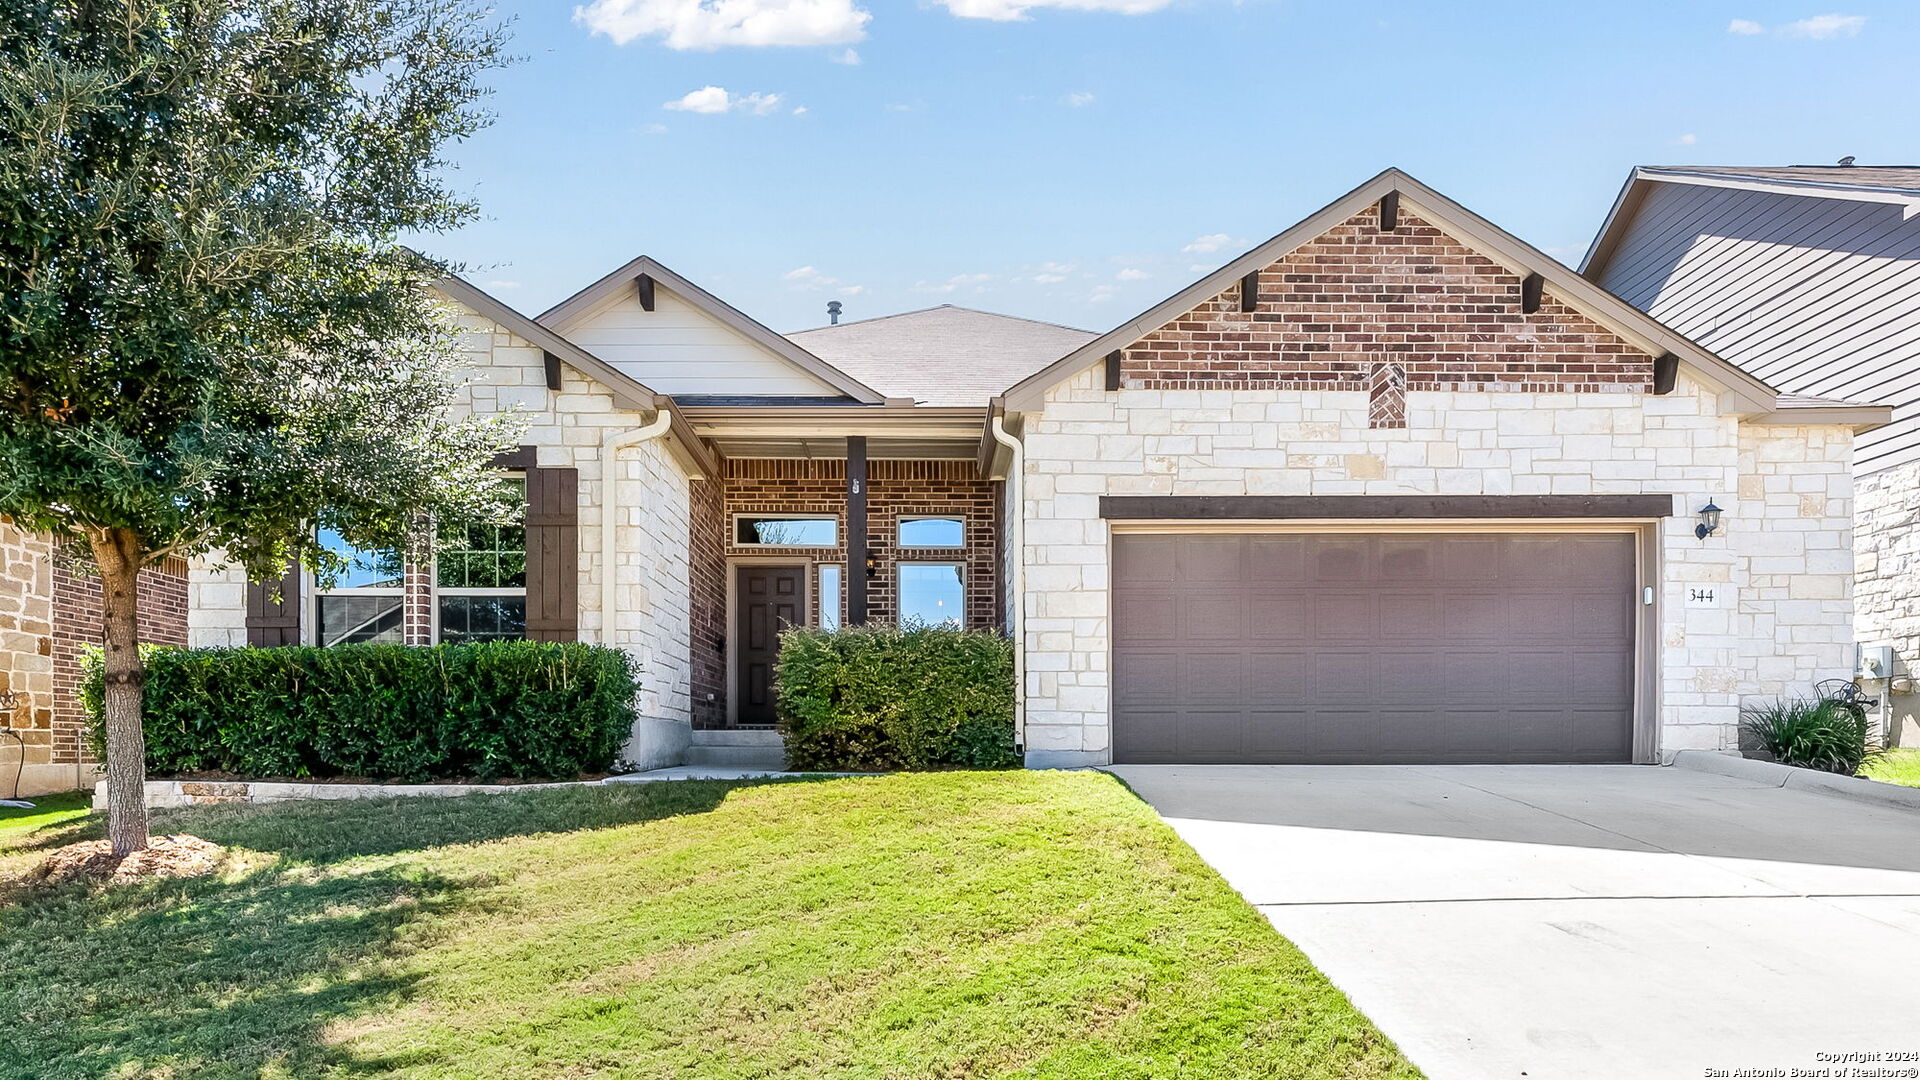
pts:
[1013, 924]
[1900, 766]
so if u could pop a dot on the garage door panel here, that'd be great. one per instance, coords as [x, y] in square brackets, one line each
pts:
[1146, 559]
[1204, 559]
[1356, 648]
[1214, 616]
[1275, 677]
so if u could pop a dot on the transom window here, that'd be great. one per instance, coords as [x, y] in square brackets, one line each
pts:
[933, 594]
[480, 574]
[786, 530]
[932, 531]
[366, 599]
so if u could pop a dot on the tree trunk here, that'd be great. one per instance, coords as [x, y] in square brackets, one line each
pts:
[118, 551]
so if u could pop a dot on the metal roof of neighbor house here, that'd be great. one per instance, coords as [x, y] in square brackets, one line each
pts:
[1893, 177]
[942, 356]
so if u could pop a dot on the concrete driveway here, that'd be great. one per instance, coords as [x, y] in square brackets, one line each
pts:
[1553, 922]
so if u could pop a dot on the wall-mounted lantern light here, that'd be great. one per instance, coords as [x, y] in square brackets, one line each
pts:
[873, 566]
[1709, 521]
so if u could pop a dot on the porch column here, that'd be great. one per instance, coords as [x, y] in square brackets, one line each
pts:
[856, 575]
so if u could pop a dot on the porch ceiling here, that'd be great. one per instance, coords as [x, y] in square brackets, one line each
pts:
[896, 432]
[878, 449]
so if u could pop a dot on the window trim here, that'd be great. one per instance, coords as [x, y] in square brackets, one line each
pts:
[900, 589]
[957, 518]
[733, 530]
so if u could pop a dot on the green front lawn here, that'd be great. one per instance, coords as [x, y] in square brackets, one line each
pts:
[1900, 766]
[937, 925]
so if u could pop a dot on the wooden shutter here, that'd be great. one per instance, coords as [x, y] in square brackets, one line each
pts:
[271, 624]
[553, 554]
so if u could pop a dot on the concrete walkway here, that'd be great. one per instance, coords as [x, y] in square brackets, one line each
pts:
[1560, 922]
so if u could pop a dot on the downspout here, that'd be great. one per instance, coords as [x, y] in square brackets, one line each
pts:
[1017, 558]
[610, 448]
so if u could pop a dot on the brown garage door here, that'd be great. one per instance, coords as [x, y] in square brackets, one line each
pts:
[1373, 648]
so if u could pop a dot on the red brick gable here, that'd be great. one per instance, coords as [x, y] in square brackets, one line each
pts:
[1385, 312]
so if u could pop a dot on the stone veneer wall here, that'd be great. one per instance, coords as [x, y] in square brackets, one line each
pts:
[894, 488]
[1781, 560]
[1887, 550]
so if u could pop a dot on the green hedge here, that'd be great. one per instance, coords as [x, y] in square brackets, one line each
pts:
[521, 709]
[885, 698]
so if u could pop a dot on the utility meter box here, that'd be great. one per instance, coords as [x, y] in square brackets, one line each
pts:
[1875, 662]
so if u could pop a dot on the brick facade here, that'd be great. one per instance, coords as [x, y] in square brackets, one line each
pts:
[1385, 313]
[76, 625]
[784, 486]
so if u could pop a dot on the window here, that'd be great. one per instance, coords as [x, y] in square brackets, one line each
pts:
[785, 530]
[366, 599]
[932, 594]
[480, 574]
[929, 532]
[829, 598]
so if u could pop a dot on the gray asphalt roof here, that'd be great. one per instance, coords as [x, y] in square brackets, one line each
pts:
[1899, 177]
[943, 356]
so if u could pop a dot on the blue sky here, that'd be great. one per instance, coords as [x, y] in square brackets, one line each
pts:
[1078, 160]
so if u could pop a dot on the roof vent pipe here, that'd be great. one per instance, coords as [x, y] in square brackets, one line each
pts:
[1847, 161]
[833, 313]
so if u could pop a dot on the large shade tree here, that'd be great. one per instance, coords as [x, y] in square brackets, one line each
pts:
[211, 338]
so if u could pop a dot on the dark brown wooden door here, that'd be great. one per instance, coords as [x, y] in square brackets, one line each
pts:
[1373, 649]
[767, 599]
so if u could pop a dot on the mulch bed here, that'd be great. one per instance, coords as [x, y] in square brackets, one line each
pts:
[94, 860]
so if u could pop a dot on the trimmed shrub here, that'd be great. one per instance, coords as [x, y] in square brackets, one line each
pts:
[877, 698]
[1832, 736]
[524, 709]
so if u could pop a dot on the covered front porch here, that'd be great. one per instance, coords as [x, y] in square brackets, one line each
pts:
[821, 515]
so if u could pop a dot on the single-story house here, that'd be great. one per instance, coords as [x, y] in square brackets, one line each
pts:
[1392, 486]
[1809, 277]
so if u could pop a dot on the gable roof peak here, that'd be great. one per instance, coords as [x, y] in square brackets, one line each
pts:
[562, 316]
[1634, 326]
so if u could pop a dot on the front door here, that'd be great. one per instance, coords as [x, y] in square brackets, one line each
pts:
[767, 599]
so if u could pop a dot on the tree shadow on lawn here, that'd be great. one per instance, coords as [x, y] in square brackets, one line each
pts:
[242, 976]
[324, 831]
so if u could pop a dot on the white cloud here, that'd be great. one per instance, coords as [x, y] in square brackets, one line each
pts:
[1077, 98]
[1816, 27]
[1049, 279]
[1016, 10]
[799, 110]
[714, 24]
[1821, 27]
[653, 129]
[953, 283]
[1201, 268]
[712, 100]
[1132, 273]
[849, 57]
[1212, 242]
[810, 278]
[1684, 140]
[853, 290]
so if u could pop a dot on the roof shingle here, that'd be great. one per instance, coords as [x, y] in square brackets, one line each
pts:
[942, 356]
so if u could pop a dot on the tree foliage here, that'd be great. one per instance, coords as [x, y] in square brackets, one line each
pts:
[210, 334]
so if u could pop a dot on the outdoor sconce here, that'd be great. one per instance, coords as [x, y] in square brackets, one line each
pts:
[1709, 521]
[873, 566]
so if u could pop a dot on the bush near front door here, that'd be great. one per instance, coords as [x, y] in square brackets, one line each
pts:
[876, 698]
[485, 710]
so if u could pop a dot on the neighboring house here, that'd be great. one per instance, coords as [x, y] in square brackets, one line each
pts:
[1808, 277]
[1391, 487]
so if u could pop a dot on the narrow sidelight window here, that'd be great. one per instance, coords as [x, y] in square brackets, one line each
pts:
[829, 597]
